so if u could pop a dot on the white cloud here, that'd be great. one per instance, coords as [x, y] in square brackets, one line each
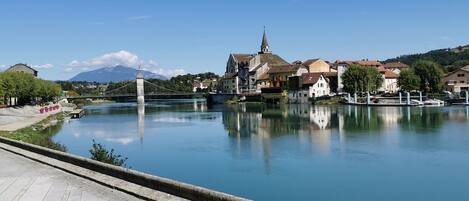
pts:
[140, 17]
[43, 66]
[169, 72]
[124, 58]
[2, 66]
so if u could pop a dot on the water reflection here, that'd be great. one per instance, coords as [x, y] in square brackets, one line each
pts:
[141, 121]
[309, 124]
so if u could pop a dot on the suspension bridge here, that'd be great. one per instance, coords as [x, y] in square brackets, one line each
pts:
[151, 91]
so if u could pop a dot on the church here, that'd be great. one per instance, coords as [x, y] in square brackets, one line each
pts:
[248, 73]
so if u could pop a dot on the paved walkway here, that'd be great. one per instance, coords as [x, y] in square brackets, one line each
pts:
[25, 179]
[12, 122]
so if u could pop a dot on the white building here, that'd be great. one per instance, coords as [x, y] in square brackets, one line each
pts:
[312, 85]
[390, 82]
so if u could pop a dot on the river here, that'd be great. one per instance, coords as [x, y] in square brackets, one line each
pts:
[292, 152]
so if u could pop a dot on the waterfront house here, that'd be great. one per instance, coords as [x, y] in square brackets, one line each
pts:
[342, 66]
[390, 73]
[458, 80]
[23, 68]
[310, 85]
[395, 67]
[279, 74]
[247, 73]
[389, 82]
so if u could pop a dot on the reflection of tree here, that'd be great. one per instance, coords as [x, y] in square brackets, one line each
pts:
[422, 120]
[363, 119]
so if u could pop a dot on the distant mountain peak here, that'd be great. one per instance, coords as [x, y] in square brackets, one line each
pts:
[117, 73]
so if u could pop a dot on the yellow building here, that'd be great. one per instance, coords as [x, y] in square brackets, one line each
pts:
[318, 66]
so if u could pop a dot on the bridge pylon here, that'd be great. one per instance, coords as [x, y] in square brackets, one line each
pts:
[140, 87]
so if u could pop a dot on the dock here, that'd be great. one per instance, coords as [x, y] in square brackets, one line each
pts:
[77, 113]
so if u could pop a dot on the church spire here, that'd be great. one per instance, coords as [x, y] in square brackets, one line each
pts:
[265, 48]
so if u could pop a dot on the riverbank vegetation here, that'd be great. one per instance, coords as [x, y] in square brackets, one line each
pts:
[40, 133]
[425, 76]
[100, 153]
[329, 100]
[27, 88]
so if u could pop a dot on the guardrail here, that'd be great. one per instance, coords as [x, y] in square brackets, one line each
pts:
[169, 186]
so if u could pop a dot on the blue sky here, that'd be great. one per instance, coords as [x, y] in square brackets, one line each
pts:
[62, 38]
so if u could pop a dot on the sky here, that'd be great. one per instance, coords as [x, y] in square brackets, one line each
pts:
[62, 38]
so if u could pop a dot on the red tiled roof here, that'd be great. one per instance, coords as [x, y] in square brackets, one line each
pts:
[310, 78]
[390, 75]
[369, 63]
[396, 65]
[362, 62]
[381, 69]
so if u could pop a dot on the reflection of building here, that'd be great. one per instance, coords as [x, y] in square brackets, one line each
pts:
[390, 115]
[458, 80]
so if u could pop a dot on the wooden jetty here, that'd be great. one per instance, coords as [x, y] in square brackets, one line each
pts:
[77, 113]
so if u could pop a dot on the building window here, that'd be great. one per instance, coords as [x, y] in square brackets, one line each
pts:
[462, 81]
[460, 75]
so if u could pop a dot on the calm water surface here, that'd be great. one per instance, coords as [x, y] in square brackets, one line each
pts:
[296, 152]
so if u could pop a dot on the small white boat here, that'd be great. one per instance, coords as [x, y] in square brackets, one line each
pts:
[434, 103]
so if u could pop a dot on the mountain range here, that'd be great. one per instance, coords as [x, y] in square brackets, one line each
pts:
[114, 74]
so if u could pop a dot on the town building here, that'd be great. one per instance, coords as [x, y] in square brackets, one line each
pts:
[24, 68]
[390, 82]
[390, 74]
[458, 80]
[279, 74]
[318, 65]
[208, 85]
[342, 66]
[395, 67]
[248, 73]
[310, 85]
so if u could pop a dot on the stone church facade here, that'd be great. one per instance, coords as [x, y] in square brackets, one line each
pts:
[248, 73]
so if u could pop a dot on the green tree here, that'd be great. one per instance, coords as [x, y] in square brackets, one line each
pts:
[361, 79]
[408, 80]
[26, 87]
[430, 74]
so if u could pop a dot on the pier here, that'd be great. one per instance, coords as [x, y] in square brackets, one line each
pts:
[77, 113]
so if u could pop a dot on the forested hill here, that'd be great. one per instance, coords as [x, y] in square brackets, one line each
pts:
[450, 58]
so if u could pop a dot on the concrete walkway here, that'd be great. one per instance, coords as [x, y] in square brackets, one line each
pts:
[25, 179]
[15, 119]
